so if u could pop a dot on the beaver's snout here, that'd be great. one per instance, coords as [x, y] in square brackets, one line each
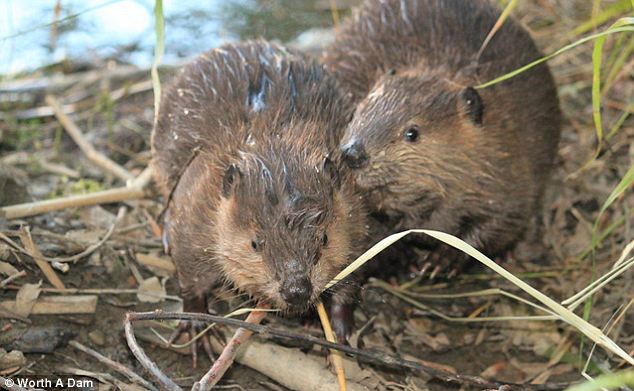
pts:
[354, 154]
[296, 290]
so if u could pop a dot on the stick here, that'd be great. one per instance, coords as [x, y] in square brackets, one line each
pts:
[140, 355]
[370, 357]
[12, 277]
[99, 197]
[289, 367]
[72, 258]
[127, 372]
[228, 354]
[91, 153]
[51, 276]
[59, 305]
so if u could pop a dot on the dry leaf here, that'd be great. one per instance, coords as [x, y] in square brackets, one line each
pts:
[14, 358]
[7, 269]
[25, 299]
[151, 290]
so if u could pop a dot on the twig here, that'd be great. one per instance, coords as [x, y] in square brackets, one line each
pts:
[227, 356]
[72, 258]
[120, 214]
[140, 355]
[99, 197]
[91, 153]
[12, 277]
[45, 267]
[127, 372]
[58, 169]
[370, 357]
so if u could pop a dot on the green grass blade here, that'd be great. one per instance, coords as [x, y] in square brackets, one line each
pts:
[565, 314]
[607, 14]
[620, 121]
[618, 64]
[622, 25]
[159, 48]
[609, 381]
[597, 53]
[624, 184]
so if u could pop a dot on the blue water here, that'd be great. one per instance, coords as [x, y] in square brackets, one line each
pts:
[124, 29]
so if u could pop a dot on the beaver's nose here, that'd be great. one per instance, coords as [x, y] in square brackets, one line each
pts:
[296, 291]
[354, 154]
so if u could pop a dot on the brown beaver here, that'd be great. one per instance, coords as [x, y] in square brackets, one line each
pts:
[246, 144]
[431, 150]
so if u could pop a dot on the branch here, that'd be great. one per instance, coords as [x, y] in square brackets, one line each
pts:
[228, 354]
[370, 357]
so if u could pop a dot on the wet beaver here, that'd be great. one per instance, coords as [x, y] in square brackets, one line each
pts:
[246, 145]
[431, 150]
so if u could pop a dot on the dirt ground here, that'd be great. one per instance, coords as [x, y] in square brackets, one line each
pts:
[38, 161]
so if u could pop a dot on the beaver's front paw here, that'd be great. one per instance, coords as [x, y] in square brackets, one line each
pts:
[342, 321]
[443, 261]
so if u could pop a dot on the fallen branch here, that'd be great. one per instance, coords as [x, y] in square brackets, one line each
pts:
[127, 372]
[91, 153]
[289, 367]
[228, 354]
[376, 358]
[140, 355]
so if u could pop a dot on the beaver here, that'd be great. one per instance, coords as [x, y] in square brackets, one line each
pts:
[428, 148]
[245, 152]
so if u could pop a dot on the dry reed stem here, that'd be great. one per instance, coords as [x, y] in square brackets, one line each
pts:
[91, 153]
[134, 191]
[337, 360]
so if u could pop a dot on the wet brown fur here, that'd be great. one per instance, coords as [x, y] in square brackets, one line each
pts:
[276, 116]
[407, 63]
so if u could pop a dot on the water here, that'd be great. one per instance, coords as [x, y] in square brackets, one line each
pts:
[124, 29]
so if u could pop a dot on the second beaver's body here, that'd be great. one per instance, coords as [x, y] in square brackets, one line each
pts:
[430, 150]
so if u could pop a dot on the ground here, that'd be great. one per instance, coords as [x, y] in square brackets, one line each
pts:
[39, 161]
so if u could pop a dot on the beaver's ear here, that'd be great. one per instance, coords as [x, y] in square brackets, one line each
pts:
[232, 174]
[331, 171]
[473, 105]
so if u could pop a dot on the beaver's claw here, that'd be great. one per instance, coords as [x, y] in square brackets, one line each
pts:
[444, 259]
[192, 329]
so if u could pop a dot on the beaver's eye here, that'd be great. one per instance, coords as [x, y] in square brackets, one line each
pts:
[324, 240]
[256, 245]
[411, 134]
